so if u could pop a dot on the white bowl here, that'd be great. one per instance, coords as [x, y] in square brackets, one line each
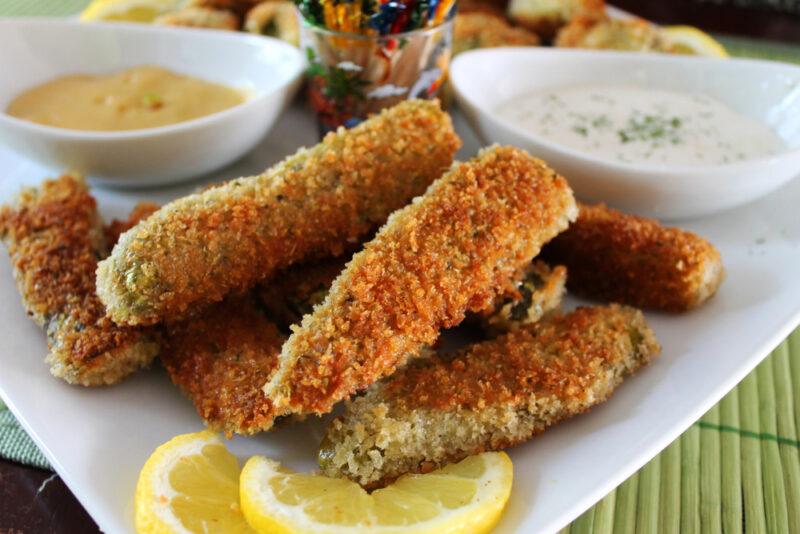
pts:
[765, 90]
[33, 51]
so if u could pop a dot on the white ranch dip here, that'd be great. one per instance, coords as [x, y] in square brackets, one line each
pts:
[639, 125]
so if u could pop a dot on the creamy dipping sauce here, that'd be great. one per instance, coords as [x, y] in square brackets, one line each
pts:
[140, 97]
[640, 125]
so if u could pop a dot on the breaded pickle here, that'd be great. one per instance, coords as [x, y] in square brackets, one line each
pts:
[451, 251]
[489, 396]
[539, 291]
[198, 249]
[623, 258]
[54, 236]
[220, 359]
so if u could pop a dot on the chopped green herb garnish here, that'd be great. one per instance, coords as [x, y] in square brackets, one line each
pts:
[651, 128]
[152, 100]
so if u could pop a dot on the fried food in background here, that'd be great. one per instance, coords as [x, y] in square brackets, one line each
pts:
[140, 211]
[451, 251]
[239, 7]
[54, 236]
[198, 249]
[633, 260]
[274, 19]
[604, 33]
[295, 292]
[220, 359]
[546, 17]
[485, 30]
[200, 17]
[489, 396]
[539, 291]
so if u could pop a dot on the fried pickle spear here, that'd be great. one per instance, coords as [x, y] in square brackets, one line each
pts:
[451, 251]
[537, 293]
[489, 396]
[633, 260]
[220, 360]
[54, 236]
[295, 292]
[195, 250]
[636, 35]
[200, 17]
[545, 17]
[485, 30]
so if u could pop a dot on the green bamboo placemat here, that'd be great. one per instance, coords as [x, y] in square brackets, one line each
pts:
[737, 469]
[48, 8]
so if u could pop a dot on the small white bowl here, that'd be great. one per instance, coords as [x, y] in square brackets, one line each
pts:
[33, 51]
[765, 90]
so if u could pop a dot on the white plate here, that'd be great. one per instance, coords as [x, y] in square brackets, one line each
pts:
[98, 439]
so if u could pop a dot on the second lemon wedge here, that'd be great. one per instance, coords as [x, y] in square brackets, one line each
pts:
[467, 497]
[693, 41]
[129, 10]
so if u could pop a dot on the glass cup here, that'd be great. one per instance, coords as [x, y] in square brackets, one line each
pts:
[351, 76]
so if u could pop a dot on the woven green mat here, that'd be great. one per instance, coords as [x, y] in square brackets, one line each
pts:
[737, 469]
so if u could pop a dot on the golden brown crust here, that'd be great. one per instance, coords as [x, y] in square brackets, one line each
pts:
[507, 369]
[451, 251]
[194, 251]
[614, 256]
[488, 396]
[220, 360]
[117, 227]
[484, 30]
[54, 237]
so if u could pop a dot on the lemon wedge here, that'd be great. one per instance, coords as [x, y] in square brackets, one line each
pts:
[129, 10]
[190, 484]
[690, 40]
[467, 497]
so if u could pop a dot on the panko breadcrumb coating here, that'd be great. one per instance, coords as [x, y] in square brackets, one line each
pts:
[484, 30]
[489, 396]
[539, 291]
[54, 236]
[200, 17]
[635, 35]
[545, 17]
[633, 260]
[197, 249]
[140, 211]
[220, 360]
[451, 251]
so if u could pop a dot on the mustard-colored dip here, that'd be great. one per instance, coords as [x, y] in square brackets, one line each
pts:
[139, 97]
